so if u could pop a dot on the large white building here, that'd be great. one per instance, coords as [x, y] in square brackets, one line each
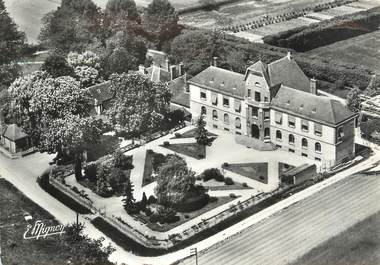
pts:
[275, 103]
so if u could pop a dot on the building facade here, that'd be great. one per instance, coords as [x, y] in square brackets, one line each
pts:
[275, 103]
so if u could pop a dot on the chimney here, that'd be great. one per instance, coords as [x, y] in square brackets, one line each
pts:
[141, 69]
[215, 61]
[167, 64]
[173, 72]
[313, 86]
[289, 55]
[181, 69]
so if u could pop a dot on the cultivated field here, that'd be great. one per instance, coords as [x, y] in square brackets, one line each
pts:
[292, 232]
[244, 11]
[358, 245]
[361, 50]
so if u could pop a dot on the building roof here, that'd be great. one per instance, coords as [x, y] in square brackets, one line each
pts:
[259, 67]
[157, 74]
[13, 132]
[159, 58]
[101, 92]
[221, 80]
[178, 87]
[310, 106]
[287, 72]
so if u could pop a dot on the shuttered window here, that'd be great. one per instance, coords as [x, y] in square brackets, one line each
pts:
[237, 105]
[278, 117]
[291, 121]
[305, 125]
[214, 98]
[318, 129]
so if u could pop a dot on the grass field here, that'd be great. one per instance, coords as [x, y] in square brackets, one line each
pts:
[362, 50]
[358, 245]
[15, 249]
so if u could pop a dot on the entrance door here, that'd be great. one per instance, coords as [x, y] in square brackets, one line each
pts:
[255, 131]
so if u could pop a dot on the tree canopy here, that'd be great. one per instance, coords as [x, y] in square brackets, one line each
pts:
[174, 181]
[139, 105]
[353, 100]
[125, 8]
[160, 21]
[72, 26]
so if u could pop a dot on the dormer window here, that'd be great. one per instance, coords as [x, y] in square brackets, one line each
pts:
[249, 93]
[257, 84]
[212, 80]
[222, 84]
[301, 107]
[314, 110]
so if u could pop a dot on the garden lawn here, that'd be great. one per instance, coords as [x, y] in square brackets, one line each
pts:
[255, 171]
[16, 250]
[191, 134]
[190, 215]
[193, 150]
[214, 185]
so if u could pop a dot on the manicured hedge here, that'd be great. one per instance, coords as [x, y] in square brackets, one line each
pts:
[193, 203]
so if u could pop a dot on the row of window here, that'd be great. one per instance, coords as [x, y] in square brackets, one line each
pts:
[304, 142]
[226, 101]
[257, 96]
[304, 123]
[226, 117]
[255, 113]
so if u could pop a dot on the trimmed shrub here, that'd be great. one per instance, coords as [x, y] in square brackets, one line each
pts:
[152, 199]
[213, 173]
[166, 143]
[245, 185]
[233, 195]
[178, 135]
[193, 203]
[225, 164]
[228, 181]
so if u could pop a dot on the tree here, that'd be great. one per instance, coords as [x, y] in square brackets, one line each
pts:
[139, 105]
[370, 130]
[373, 87]
[353, 100]
[144, 201]
[73, 135]
[160, 21]
[125, 8]
[201, 132]
[56, 66]
[174, 181]
[86, 67]
[117, 179]
[128, 200]
[12, 41]
[102, 184]
[39, 99]
[83, 249]
[72, 26]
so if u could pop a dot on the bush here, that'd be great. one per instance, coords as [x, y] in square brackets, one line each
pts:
[233, 195]
[166, 143]
[228, 181]
[212, 173]
[193, 203]
[245, 185]
[152, 199]
[178, 135]
[166, 215]
[122, 161]
[225, 164]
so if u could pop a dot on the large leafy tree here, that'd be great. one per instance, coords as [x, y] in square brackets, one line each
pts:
[174, 181]
[125, 9]
[12, 44]
[54, 112]
[86, 67]
[72, 135]
[56, 65]
[139, 105]
[160, 21]
[12, 41]
[72, 26]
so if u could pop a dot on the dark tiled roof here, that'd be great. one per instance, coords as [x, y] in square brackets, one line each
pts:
[13, 132]
[318, 108]
[287, 72]
[259, 67]
[221, 80]
[177, 87]
[158, 57]
[101, 92]
[157, 74]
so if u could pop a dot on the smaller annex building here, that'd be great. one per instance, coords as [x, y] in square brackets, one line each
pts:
[277, 104]
[14, 139]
